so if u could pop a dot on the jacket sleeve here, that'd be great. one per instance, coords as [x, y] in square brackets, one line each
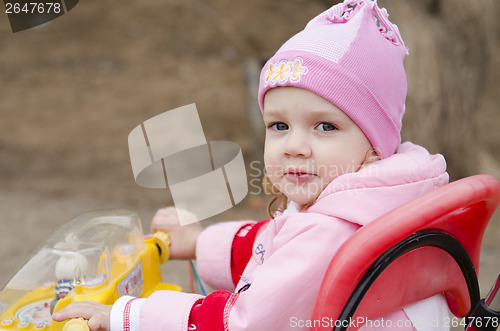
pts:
[200, 312]
[282, 290]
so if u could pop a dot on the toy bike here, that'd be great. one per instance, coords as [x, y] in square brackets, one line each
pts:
[98, 256]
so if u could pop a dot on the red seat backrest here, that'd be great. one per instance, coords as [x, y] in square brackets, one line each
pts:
[461, 209]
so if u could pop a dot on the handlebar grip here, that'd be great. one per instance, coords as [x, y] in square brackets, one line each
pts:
[76, 324]
[162, 240]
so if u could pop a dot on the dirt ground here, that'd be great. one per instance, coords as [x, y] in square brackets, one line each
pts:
[73, 89]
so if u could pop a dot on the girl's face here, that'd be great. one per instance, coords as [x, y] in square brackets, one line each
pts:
[309, 142]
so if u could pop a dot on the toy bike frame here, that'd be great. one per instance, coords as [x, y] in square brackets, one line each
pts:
[108, 256]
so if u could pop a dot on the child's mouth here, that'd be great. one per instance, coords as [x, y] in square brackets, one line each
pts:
[296, 176]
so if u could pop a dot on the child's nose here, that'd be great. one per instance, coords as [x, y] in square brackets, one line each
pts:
[297, 145]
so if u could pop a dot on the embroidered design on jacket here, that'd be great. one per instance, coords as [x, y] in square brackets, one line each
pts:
[258, 254]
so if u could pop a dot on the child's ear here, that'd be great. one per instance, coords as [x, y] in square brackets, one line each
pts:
[372, 155]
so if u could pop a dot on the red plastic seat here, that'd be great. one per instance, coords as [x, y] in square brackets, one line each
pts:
[425, 247]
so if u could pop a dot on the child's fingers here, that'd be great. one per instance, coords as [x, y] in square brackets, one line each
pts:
[85, 309]
[163, 225]
[99, 322]
[165, 215]
[71, 311]
[164, 219]
[167, 219]
[165, 211]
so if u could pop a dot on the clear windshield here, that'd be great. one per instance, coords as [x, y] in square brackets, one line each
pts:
[91, 250]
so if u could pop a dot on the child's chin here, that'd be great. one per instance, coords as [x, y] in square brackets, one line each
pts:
[301, 201]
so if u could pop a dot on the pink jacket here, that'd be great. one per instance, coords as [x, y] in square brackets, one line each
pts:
[268, 275]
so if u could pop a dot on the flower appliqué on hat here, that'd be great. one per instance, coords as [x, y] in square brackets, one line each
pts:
[284, 71]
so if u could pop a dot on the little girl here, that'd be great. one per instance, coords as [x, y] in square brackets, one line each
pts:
[332, 98]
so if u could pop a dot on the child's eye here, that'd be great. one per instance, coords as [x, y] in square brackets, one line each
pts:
[326, 127]
[279, 126]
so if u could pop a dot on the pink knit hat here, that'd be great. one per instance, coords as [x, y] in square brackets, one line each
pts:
[352, 56]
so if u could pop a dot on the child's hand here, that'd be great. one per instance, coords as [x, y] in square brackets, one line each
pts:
[183, 238]
[96, 314]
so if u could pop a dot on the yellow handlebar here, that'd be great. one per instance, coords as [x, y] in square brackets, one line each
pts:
[162, 240]
[76, 324]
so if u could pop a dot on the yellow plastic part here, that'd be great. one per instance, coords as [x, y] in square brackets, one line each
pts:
[76, 324]
[147, 268]
[163, 242]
